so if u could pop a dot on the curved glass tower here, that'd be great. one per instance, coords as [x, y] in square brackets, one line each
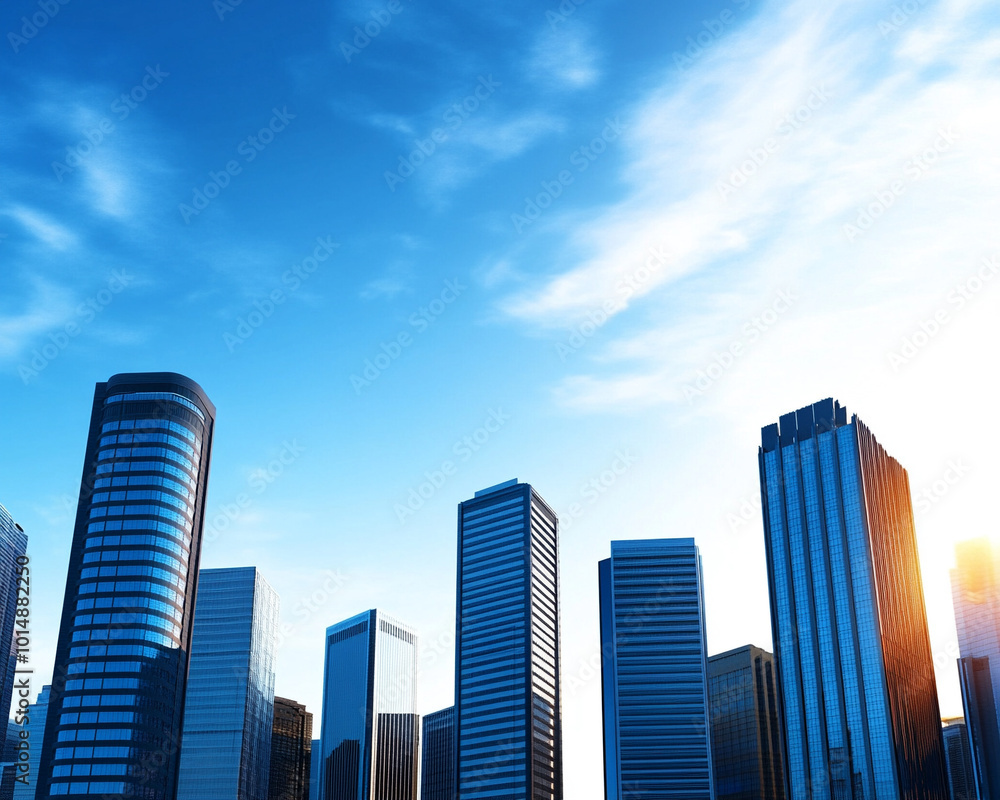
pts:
[117, 700]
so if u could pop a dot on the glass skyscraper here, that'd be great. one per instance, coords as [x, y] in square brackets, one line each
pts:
[958, 756]
[508, 713]
[291, 751]
[746, 733]
[370, 729]
[226, 747]
[858, 693]
[13, 546]
[976, 594]
[437, 772]
[35, 728]
[117, 700]
[654, 672]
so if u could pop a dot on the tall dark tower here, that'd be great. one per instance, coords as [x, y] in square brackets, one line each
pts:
[855, 670]
[117, 700]
[508, 717]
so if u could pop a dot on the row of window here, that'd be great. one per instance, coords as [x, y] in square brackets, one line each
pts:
[83, 770]
[147, 438]
[80, 684]
[115, 650]
[146, 466]
[171, 397]
[76, 701]
[93, 717]
[133, 586]
[141, 525]
[146, 572]
[135, 555]
[88, 603]
[119, 453]
[141, 494]
[128, 618]
[146, 480]
[136, 539]
[165, 424]
[92, 734]
[111, 634]
[81, 787]
[102, 667]
[146, 511]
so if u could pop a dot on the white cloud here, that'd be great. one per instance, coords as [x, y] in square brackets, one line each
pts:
[48, 307]
[564, 58]
[43, 227]
[867, 112]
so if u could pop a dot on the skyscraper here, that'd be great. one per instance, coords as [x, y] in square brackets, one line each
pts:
[958, 756]
[13, 546]
[437, 772]
[117, 700]
[35, 728]
[746, 733]
[291, 751]
[370, 729]
[654, 672]
[858, 694]
[314, 769]
[229, 711]
[976, 593]
[508, 713]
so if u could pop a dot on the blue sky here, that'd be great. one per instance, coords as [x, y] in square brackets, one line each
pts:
[526, 242]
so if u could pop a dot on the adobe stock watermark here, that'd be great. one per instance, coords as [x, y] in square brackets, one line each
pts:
[748, 510]
[929, 496]
[258, 482]
[597, 487]
[420, 321]
[223, 7]
[85, 313]
[750, 334]
[249, 149]
[757, 157]
[581, 159]
[292, 279]
[381, 18]
[33, 25]
[914, 169]
[463, 450]
[902, 14]
[929, 329]
[122, 107]
[712, 30]
[309, 604]
[562, 12]
[454, 118]
[624, 289]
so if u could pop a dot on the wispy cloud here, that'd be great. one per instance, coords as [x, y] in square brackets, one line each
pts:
[564, 58]
[45, 229]
[46, 307]
[766, 166]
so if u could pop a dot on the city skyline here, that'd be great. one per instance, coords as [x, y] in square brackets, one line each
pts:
[590, 244]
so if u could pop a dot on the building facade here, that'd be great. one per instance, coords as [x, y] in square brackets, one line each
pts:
[976, 594]
[437, 746]
[13, 547]
[120, 673]
[35, 728]
[291, 751]
[508, 713]
[314, 770]
[654, 672]
[746, 733]
[370, 730]
[855, 670]
[229, 711]
[958, 757]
